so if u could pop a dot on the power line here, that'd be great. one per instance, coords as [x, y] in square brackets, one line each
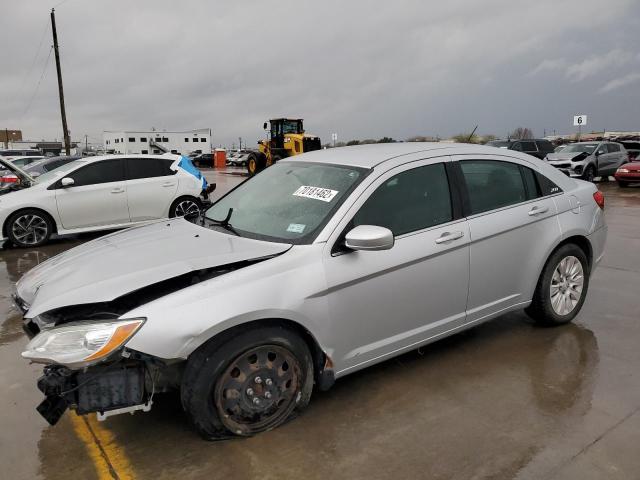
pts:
[44, 70]
[35, 58]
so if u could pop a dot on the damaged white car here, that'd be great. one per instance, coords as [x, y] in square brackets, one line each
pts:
[315, 268]
[98, 193]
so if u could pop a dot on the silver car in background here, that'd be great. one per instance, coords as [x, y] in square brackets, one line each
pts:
[315, 268]
[588, 160]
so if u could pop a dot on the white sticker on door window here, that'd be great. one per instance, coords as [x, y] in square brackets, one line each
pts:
[296, 228]
[317, 193]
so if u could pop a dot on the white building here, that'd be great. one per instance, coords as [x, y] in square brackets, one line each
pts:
[151, 142]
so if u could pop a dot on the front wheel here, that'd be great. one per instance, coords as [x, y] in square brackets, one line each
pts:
[589, 173]
[622, 184]
[249, 383]
[562, 287]
[29, 228]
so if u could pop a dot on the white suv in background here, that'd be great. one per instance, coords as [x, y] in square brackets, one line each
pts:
[98, 193]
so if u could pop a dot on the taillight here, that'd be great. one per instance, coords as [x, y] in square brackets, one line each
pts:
[598, 196]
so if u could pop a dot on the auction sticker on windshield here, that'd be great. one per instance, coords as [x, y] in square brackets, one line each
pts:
[296, 227]
[317, 193]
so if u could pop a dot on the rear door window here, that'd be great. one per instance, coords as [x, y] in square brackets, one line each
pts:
[492, 184]
[529, 146]
[148, 168]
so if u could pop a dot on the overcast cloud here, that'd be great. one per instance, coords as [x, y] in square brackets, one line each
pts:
[363, 69]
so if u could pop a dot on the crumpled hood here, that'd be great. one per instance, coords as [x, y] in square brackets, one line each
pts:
[116, 264]
[554, 157]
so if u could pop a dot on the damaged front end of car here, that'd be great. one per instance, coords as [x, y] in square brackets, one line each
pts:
[87, 365]
[88, 369]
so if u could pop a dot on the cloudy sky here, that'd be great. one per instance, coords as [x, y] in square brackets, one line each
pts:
[363, 69]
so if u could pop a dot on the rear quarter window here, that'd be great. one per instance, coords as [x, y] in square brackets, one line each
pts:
[547, 187]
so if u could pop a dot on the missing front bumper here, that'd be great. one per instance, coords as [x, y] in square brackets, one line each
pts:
[102, 389]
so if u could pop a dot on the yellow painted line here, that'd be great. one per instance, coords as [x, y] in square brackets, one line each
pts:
[109, 458]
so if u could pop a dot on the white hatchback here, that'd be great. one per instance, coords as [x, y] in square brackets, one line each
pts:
[98, 193]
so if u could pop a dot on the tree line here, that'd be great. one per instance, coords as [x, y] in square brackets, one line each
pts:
[520, 133]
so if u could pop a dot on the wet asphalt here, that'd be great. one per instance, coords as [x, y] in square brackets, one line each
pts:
[504, 400]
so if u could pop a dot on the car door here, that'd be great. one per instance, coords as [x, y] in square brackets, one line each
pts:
[97, 197]
[615, 157]
[151, 187]
[511, 226]
[382, 302]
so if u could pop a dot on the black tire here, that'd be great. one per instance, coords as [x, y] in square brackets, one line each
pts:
[542, 309]
[589, 173]
[184, 206]
[217, 412]
[622, 184]
[29, 228]
[256, 162]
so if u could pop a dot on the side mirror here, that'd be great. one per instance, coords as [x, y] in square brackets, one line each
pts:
[35, 174]
[369, 237]
[264, 126]
[67, 182]
[599, 152]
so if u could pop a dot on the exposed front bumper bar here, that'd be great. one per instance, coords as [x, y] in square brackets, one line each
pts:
[101, 389]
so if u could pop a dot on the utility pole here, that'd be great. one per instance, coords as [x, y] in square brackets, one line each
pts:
[86, 144]
[240, 143]
[65, 131]
[6, 138]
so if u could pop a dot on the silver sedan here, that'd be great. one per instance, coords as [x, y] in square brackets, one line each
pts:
[316, 268]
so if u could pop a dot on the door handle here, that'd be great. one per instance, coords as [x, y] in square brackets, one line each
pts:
[168, 184]
[117, 190]
[537, 211]
[449, 236]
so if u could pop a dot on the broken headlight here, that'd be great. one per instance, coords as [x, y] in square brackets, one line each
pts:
[80, 344]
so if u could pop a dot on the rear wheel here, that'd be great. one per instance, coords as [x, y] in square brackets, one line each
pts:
[29, 228]
[562, 287]
[589, 173]
[247, 384]
[184, 206]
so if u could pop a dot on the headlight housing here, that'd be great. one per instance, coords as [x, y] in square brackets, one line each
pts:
[623, 170]
[81, 344]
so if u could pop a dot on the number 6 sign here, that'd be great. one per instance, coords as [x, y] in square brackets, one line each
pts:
[579, 120]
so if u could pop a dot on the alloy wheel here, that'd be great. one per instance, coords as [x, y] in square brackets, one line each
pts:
[30, 229]
[566, 285]
[258, 390]
[186, 207]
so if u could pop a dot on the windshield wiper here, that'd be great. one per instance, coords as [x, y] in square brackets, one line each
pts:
[225, 223]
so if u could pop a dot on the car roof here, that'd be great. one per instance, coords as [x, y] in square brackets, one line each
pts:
[370, 155]
[98, 158]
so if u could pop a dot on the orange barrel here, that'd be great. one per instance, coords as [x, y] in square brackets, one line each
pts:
[219, 158]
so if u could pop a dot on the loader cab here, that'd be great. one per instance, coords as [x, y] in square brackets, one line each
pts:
[281, 127]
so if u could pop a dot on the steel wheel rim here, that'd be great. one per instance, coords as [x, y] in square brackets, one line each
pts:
[258, 390]
[30, 229]
[252, 166]
[566, 286]
[186, 207]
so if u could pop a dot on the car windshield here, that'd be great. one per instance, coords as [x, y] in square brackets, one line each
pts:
[288, 202]
[499, 144]
[58, 172]
[580, 147]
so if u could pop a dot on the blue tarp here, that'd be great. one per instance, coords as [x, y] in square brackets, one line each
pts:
[186, 164]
